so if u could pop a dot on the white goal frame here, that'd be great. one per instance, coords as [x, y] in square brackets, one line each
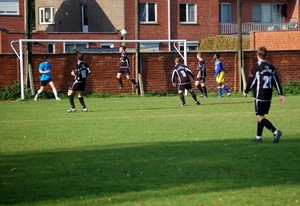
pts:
[21, 41]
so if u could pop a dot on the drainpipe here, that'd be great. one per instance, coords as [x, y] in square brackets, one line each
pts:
[169, 24]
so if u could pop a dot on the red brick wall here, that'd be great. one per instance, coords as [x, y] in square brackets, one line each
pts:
[276, 40]
[14, 23]
[156, 70]
[207, 21]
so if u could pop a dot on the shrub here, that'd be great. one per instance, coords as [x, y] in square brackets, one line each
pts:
[13, 92]
[291, 88]
[223, 43]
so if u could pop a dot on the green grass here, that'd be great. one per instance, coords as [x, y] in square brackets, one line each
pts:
[148, 151]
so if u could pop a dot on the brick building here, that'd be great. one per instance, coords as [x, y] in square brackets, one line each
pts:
[158, 19]
[271, 23]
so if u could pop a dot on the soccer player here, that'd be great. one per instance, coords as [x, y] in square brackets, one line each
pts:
[46, 78]
[220, 76]
[262, 79]
[200, 80]
[124, 67]
[182, 72]
[80, 72]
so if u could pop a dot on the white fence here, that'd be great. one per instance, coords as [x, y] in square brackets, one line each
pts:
[231, 28]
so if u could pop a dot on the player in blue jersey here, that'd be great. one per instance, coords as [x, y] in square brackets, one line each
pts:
[200, 79]
[182, 72]
[220, 76]
[262, 79]
[80, 72]
[46, 78]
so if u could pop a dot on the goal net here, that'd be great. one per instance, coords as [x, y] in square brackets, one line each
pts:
[48, 46]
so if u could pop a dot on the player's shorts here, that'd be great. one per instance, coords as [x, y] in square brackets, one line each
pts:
[77, 86]
[45, 82]
[220, 77]
[200, 79]
[125, 71]
[185, 86]
[262, 108]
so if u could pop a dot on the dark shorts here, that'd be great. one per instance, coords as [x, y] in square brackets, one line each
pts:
[185, 86]
[262, 108]
[77, 86]
[125, 71]
[200, 79]
[44, 83]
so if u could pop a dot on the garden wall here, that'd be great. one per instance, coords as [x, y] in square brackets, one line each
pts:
[156, 70]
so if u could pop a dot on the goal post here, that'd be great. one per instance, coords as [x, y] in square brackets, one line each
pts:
[20, 54]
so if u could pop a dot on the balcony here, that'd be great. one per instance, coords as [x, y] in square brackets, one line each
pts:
[247, 27]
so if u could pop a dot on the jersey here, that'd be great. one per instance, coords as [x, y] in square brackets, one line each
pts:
[44, 66]
[202, 68]
[124, 62]
[181, 72]
[81, 70]
[218, 67]
[262, 79]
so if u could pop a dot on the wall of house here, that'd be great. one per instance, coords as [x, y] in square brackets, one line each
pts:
[276, 40]
[14, 23]
[156, 70]
[207, 22]
[38, 47]
[103, 15]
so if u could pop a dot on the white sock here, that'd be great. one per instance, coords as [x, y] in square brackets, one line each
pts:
[258, 137]
[38, 93]
[55, 92]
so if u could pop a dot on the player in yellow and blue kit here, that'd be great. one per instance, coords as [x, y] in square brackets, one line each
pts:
[220, 76]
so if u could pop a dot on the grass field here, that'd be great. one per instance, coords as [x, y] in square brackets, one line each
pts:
[144, 151]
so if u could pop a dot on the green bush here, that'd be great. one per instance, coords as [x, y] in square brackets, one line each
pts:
[13, 92]
[291, 88]
[223, 43]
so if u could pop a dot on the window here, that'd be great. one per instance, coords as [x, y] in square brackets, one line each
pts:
[46, 15]
[150, 46]
[106, 45]
[50, 48]
[190, 46]
[147, 13]
[72, 47]
[9, 7]
[225, 13]
[268, 13]
[187, 13]
[84, 18]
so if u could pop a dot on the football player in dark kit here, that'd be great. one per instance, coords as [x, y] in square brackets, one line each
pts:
[200, 79]
[262, 79]
[181, 73]
[124, 67]
[80, 72]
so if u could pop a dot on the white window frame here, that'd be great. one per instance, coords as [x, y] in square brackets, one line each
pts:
[223, 17]
[10, 7]
[146, 10]
[43, 15]
[190, 18]
[190, 44]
